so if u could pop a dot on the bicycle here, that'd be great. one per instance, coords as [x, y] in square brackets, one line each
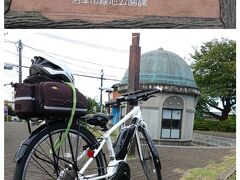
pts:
[81, 155]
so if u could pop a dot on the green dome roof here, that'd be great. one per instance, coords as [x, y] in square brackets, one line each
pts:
[165, 68]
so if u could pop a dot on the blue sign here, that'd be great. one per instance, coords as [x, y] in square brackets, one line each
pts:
[5, 110]
[116, 113]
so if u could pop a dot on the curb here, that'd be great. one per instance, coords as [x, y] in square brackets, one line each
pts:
[227, 174]
[202, 143]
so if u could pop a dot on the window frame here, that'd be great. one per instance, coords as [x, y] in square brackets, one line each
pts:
[180, 128]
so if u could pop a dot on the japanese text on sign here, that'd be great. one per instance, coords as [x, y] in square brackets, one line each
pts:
[112, 2]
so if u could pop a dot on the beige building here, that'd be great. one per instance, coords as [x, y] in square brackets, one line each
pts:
[169, 116]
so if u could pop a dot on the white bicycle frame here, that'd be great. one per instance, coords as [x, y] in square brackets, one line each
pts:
[113, 165]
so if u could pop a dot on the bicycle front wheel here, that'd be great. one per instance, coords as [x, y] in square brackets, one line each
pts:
[38, 163]
[148, 155]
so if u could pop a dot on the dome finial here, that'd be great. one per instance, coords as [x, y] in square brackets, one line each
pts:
[160, 49]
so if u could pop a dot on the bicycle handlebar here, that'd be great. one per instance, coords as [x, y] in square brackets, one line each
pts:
[133, 97]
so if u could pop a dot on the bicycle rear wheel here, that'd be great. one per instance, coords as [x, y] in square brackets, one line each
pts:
[148, 156]
[38, 163]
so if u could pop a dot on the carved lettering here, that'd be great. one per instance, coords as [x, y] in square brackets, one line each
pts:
[132, 3]
[123, 3]
[142, 2]
[114, 2]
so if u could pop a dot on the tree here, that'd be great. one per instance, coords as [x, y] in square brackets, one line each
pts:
[92, 105]
[214, 69]
[11, 112]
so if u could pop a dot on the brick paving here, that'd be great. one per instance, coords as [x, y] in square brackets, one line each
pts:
[175, 160]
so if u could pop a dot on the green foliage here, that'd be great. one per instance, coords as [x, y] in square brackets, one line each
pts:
[7, 118]
[199, 114]
[92, 106]
[210, 125]
[214, 70]
[232, 124]
[11, 112]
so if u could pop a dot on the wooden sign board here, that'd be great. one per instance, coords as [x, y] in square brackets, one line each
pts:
[102, 11]
[105, 10]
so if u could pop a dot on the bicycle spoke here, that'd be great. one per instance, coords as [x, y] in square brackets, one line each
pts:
[41, 158]
[44, 169]
[38, 163]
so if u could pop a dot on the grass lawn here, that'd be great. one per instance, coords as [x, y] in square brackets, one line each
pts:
[213, 170]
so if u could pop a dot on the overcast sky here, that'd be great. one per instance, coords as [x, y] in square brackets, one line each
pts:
[88, 51]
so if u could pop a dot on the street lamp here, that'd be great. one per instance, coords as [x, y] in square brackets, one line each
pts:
[8, 66]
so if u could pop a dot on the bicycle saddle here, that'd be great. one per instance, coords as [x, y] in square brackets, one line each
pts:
[98, 119]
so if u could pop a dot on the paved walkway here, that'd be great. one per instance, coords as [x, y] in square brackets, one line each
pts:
[214, 140]
[175, 160]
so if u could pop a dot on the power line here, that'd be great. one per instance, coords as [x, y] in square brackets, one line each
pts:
[111, 79]
[97, 46]
[16, 54]
[15, 65]
[75, 59]
[96, 77]
[63, 61]
[91, 73]
[8, 41]
[12, 42]
[82, 67]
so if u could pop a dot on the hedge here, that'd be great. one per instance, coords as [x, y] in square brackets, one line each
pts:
[7, 118]
[228, 125]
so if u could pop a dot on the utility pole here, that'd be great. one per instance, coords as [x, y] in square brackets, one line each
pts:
[101, 89]
[133, 74]
[20, 47]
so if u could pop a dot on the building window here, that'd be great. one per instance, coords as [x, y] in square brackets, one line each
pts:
[171, 123]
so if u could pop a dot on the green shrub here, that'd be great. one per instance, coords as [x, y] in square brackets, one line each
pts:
[232, 124]
[213, 125]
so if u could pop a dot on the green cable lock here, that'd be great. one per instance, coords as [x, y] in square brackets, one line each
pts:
[60, 141]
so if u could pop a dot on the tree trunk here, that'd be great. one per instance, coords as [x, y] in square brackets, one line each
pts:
[228, 13]
[227, 107]
[224, 116]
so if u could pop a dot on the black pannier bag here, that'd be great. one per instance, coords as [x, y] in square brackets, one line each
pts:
[56, 99]
[24, 100]
[37, 79]
[47, 99]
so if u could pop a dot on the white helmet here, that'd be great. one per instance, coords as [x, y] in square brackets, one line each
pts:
[53, 70]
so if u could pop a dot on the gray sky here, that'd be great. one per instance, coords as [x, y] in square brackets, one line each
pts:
[88, 51]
